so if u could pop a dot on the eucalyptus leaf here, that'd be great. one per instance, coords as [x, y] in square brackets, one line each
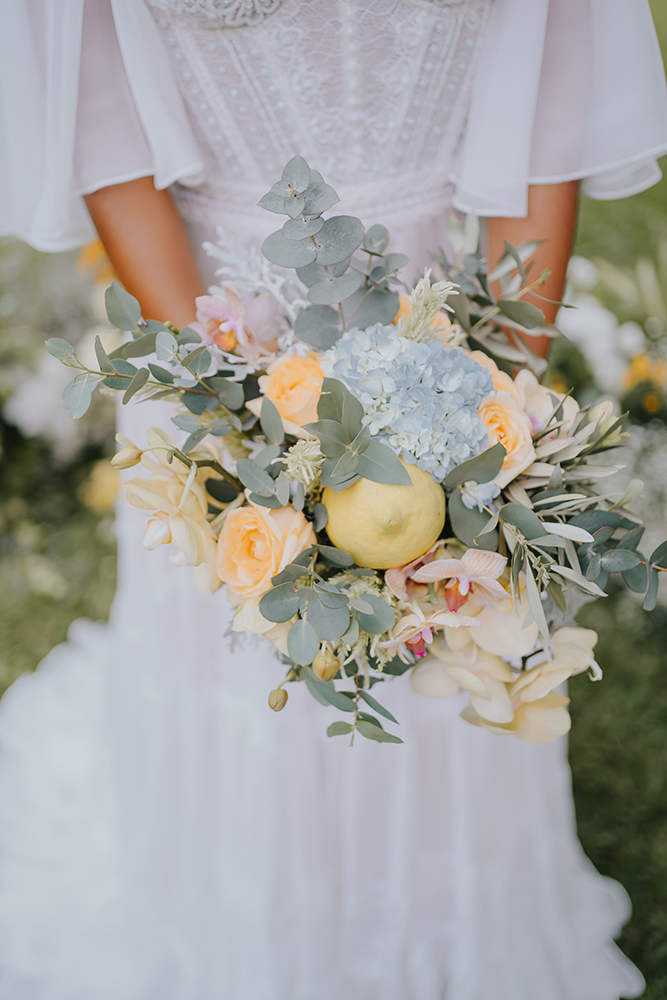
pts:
[301, 229]
[367, 307]
[382, 618]
[329, 291]
[198, 401]
[651, 595]
[330, 596]
[319, 197]
[303, 644]
[637, 578]
[297, 173]
[77, 394]
[335, 556]
[351, 419]
[619, 560]
[376, 240]
[165, 345]
[253, 477]
[334, 440]
[320, 516]
[468, 525]
[481, 469]
[102, 357]
[318, 325]
[381, 465]
[659, 556]
[294, 205]
[280, 603]
[312, 274]
[330, 623]
[346, 465]
[288, 253]
[273, 203]
[332, 399]
[339, 238]
[141, 347]
[228, 392]
[122, 308]
[271, 422]
[198, 361]
[63, 351]
[137, 383]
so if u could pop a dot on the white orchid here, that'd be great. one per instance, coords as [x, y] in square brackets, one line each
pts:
[485, 676]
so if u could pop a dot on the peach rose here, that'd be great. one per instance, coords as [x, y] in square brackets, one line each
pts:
[501, 380]
[507, 423]
[256, 543]
[293, 385]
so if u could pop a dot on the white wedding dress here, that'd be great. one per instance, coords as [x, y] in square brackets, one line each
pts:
[163, 835]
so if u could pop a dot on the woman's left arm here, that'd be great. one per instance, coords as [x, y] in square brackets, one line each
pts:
[552, 217]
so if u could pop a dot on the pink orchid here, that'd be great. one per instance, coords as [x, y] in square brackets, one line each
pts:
[477, 571]
[399, 578]
[224, 320]
[417, 628]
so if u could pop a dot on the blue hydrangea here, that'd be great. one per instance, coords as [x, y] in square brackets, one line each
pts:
[422, 398]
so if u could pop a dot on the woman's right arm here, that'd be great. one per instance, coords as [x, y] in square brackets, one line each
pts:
[148, 245]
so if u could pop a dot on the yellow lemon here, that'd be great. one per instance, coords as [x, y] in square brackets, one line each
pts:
[384, 526]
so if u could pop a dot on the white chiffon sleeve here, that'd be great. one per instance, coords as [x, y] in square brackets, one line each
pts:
[87, 99]
[566, 89]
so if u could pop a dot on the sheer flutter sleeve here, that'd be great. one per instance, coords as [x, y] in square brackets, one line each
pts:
[566, 89]
[87, 99]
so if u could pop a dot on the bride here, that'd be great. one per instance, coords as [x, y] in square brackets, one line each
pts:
[163, 835]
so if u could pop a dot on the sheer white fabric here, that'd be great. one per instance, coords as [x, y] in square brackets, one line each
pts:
[163, 835]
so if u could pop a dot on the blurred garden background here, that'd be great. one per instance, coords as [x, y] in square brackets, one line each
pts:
[57, 491]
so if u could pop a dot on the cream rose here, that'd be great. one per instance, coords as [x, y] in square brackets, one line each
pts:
[507, 423]
[293, 385]
[256, 543]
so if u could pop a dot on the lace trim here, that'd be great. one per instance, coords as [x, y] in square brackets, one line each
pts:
[240, 13]
[218, 13]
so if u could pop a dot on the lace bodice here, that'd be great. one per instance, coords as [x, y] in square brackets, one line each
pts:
[374, 93]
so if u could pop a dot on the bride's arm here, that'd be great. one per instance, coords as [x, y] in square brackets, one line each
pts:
[552, 216]
[147, 242]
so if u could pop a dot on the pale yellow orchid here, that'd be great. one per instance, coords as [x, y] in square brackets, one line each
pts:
[486, 677]
[477, 572]
[500, 625]
[541, 721]
[573, 653]
[180, 516]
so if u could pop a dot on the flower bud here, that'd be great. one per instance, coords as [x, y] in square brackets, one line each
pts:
[277, 699]
[326, 664]
[126, 458]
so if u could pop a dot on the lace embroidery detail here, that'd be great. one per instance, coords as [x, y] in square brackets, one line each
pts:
[235, 13]
[218, 13]
[374, 93]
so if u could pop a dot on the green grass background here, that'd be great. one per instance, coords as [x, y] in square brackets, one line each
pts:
[618, 749]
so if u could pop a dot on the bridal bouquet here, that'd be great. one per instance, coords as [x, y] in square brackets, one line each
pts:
[376, 492]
